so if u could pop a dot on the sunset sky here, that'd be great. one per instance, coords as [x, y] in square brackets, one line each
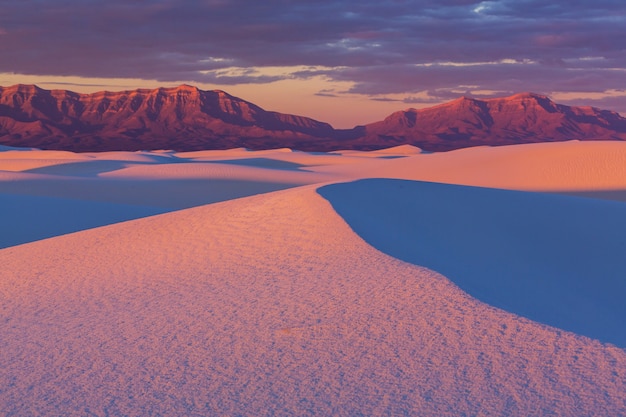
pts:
[344, 62]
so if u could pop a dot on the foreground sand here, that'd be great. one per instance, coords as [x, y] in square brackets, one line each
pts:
[272, 304]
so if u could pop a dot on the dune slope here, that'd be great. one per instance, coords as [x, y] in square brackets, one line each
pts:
[49, 193]
[577, 167]
[555, 259]
[271, 305]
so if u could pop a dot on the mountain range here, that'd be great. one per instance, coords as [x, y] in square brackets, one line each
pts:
[186, 118]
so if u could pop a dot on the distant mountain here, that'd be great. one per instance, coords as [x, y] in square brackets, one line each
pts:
[186, 118]
[521, 118]
[182, 118]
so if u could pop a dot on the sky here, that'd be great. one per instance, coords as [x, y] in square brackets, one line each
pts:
[343, 62]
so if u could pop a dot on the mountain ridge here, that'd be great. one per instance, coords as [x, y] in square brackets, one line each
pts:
[187, 118]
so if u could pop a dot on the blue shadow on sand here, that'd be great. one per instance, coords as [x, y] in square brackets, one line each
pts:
[555, 259]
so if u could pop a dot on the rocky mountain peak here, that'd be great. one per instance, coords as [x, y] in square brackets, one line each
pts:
[187, 118]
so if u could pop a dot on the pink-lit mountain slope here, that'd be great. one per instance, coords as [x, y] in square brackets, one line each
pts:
[186, 118]
[521, 118]
[182, 118]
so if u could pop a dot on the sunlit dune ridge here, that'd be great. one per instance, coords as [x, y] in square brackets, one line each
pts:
[273, 303]
[566, 166]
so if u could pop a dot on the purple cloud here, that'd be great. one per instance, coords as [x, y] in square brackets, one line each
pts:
[384, 47]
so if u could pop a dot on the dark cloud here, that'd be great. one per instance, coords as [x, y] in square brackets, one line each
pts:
[327, 93]
[383, 45]
[386, 99]
[502, 77]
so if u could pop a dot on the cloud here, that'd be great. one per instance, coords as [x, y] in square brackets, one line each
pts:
[382, 46]
[385, 99]
[615, 101]
[328, 92]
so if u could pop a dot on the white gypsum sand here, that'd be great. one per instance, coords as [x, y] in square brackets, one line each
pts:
[272, 305]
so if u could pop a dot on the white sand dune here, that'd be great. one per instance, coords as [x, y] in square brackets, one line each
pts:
[18, 160]
[273, 304]
[67, 192]
[556, 166]
[64, 192]
[555, 259]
